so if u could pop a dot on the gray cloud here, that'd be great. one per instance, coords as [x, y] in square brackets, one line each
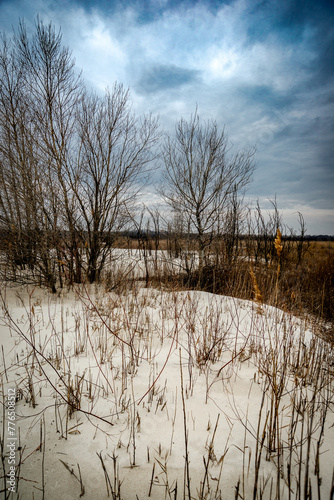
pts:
[163, 77]
[266, 96]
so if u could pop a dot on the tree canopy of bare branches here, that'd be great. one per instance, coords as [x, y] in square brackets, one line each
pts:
[201, 175]
[115, 151]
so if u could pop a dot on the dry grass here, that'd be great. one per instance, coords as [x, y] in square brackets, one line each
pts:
[282, 452]
[305, 287]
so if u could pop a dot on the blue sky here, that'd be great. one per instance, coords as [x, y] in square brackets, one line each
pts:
[264, 69]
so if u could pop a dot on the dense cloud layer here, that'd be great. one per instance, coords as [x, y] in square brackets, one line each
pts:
[262, 68]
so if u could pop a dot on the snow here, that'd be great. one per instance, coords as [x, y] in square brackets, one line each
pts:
[121, 356]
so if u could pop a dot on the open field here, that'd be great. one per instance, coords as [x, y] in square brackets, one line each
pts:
[161, 392]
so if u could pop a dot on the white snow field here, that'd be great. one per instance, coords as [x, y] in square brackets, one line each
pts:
[161, 394]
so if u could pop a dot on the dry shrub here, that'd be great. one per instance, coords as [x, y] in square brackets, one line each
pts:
[302, 288]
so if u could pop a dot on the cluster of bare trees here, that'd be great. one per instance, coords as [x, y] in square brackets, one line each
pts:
[72, 163]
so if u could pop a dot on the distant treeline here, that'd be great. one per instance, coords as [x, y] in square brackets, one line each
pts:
[164, 234]
[113, 237]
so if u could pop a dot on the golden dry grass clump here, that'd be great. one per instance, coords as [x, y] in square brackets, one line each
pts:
[278, 242]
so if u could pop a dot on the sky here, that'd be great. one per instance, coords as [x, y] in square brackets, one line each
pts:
[263, 69]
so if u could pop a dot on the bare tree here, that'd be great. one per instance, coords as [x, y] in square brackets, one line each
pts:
[39, 91]
[52, 92]
[115, 153]
[229, 228]
[12, 155]
[201, 175]
[21, 199]
[155, 217]
[302, 243]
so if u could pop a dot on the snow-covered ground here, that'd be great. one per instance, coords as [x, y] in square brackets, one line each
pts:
[160, 393]
[135, 263]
